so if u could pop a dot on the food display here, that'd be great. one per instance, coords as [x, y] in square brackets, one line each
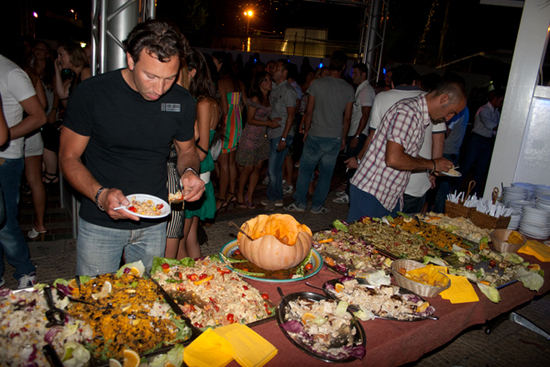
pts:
[459, 226]
[386, 301]
[392, 239]
[24, 331]
[274, 242]
[349, 254]
[209, 294]
[323, 327]
[126, 311]
[515, 238]
[145, 207]
[433, 235]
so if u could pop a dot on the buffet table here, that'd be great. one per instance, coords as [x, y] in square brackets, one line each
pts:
[393, 343]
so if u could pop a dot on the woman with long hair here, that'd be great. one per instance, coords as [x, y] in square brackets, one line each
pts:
[233, 97]
[70, 56]
[199, 83]
[253, 148]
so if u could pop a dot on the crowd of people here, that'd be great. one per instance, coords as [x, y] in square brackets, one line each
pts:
[176, 119]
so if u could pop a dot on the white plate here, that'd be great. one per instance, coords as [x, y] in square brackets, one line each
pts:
[141, 197]
[448, 174]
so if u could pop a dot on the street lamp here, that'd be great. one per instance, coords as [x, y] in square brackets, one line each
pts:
[248, 14]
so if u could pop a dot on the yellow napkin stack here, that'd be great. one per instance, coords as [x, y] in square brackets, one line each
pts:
[460, 291]
[219, 346]
[536, 249]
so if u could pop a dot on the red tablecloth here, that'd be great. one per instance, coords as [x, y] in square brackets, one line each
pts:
[393, 343]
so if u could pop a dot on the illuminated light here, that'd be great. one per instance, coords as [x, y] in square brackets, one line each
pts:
[35, 14]
[248, 44]
[384, 71]
[72, 10]
[83, 44]
[320, 65]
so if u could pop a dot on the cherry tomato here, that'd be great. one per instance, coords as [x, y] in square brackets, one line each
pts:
[203, 276]
[267, 309]
[470, 268]
[244, 295]
[309, 266]
[231, 318]
[160, 206]
[492, 263]
[132, 209]
[165, 266]
[265, 296]
[179, 275]
[197, 324]
[237, 252]
[245, 287]
[193, 277]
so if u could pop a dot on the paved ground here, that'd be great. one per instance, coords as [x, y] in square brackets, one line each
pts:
[507, 345]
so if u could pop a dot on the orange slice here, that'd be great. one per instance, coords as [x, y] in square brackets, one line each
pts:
[135, 271]
[169, 364]
[307, 317]
[73, 284]
[339, 287]
[131, 358]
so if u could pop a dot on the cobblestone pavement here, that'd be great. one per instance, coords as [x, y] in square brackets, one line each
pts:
[507, 345]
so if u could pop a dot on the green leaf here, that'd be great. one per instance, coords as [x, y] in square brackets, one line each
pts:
[340, 226]
[490, 292]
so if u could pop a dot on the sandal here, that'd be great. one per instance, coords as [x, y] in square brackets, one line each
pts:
[249, 205]
[223, 204]
[50, 178]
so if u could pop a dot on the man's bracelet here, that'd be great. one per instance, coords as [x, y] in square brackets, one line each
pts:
[433, 170]
[190, 169]
[97, 198]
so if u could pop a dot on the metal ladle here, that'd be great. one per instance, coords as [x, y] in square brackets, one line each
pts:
[240, 230]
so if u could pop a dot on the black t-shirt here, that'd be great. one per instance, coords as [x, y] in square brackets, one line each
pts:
[129, 138]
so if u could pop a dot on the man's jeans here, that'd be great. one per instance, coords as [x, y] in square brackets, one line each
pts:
[322, 151]
[12, 241]
[275, 168]
[365, 204]
[99, 249]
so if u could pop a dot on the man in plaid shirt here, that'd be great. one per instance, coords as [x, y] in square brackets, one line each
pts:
[378, 185]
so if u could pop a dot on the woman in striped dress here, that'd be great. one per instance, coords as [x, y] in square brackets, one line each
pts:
[232, 98]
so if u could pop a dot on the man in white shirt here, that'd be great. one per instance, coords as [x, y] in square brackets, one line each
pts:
[18, 95]
[358, 130]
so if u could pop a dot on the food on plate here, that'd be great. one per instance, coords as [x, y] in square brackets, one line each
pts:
[433, 235]
[460, 226]
[145, 207]
[210, 294]
[515, 238]
[132, 315]
[325, 327]
[176, 197]
[387, 301]
[23, 331]
[428, 275]
[276, 241]
[453, 172]
[349, 254]
[392, 239]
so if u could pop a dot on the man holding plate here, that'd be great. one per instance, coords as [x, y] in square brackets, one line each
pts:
[115, 143]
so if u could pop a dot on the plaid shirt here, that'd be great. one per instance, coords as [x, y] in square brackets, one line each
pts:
[404, 124]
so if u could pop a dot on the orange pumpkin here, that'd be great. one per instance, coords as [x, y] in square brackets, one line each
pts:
[279, 241]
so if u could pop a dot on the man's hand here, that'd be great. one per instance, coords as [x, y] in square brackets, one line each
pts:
[193, 186]
[443, 164]
[113, 198]
[351, 163]
[274, 123]
[281, 146]
[343, 144]
[432, 179]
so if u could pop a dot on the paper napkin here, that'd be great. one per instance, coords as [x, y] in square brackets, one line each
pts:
[460, 291]
[536, 249]
[207, 351]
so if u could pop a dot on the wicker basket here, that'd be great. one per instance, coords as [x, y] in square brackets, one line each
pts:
[483, 220]
[455, 210]
[422, 290]
[498, 241]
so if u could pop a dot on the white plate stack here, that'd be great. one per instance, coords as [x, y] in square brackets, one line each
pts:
[514, 193]
[535, 223]
[517, 206]
[528, 186]
[542, 190]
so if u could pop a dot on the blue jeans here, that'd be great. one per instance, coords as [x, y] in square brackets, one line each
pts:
[364, 204]
[275, 168]
[12, 241]
[99, 249]
[322, 151]
[413, 204]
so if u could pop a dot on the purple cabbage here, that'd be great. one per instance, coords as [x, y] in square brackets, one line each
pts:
[126, 270]
[64, 289]
[293, 326]
[345, 279]
[341, 268]
[5, 292]
[358, 351]
[329, 287]
[51, 333]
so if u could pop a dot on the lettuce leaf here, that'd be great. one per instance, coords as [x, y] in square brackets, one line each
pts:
[490, 292]
[340, 226]
[530, 279]
[174, 356]
[435, 260]
[158, 261]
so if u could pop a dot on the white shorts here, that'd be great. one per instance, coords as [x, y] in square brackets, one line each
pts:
[34, 145]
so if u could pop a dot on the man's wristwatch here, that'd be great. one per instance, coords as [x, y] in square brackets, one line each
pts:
[358, 160]
[101, 189]
[283, 139]
[190, 169]
[356, 136]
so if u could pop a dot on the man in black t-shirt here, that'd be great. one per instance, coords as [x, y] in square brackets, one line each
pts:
[116, 139]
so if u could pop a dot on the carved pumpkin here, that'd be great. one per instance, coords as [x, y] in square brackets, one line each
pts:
[279, 241]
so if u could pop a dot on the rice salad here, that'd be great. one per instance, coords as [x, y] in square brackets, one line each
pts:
[23, 331]
[210, 294]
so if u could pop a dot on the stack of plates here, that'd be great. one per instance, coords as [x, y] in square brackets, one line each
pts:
[528, 186]
[543, 202]
[535, 223]
[542, 190]
[514, 193]
[518, 206]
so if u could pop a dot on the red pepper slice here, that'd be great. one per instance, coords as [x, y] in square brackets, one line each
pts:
[231, 318]
[132, 209]
[193, 277]
[203, 276]
[160, 206]
[245, 287]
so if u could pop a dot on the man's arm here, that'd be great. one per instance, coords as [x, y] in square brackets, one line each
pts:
[193, 186]
[438, 145]
[71, 148]
[365, 112]
[291, 111]
[308, 114]
[4, 131]
[352, 161]
[396, 158]
[347, 122]
[36, 118]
